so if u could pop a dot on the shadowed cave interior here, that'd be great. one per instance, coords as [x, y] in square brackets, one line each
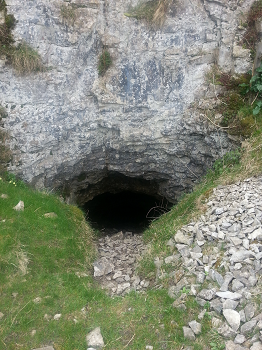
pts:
[125, 210]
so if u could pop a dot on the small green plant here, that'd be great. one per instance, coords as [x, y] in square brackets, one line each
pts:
[153, 12]
[11, 179]
[255, 87]
[207, 306]
[229, 159]
[216, 346]
[185, 290]
[104, 62]
[68, 14]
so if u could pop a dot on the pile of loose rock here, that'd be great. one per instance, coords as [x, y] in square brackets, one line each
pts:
[223, 254]
[115, 268]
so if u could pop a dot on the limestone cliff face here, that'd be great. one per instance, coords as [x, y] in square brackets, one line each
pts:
[144, 118]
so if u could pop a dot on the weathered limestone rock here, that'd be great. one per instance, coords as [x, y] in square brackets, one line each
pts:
[74, 130]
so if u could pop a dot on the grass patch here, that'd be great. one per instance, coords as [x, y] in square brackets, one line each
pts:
[39, 258]
[104, 62]
[153, 12]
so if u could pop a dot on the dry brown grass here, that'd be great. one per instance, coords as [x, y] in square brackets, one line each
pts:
[153, 12]
[26, 60]
[160, 12]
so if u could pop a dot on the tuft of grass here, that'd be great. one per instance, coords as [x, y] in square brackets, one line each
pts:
[68, 14]
[104, 62]
[153, 12]
[25, 59]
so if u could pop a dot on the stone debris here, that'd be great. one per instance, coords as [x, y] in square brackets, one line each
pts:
[229, 258]
[115, 268]
[20, 206]
[94, 339]
[45, 348]
[1, 315]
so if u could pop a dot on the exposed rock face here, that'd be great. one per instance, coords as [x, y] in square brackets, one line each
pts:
[75, 130]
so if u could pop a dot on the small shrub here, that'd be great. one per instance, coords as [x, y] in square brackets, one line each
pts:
[153, 12]
[25, 59]
[255, 87]
[104, 62]
[68, 14]
[229, 159]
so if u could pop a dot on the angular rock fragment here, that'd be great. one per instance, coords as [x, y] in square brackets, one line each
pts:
[240, 339]
[233, 318]
[20, 206]
[94, 339]
[195, 326]
[256, 346]
[229, 295]
[188, 333]
[248, 326]
[207, 294]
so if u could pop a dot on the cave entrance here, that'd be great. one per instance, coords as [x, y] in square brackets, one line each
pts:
[124, 211]
[121, 203]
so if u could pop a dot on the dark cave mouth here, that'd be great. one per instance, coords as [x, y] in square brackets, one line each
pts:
[124, 211]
